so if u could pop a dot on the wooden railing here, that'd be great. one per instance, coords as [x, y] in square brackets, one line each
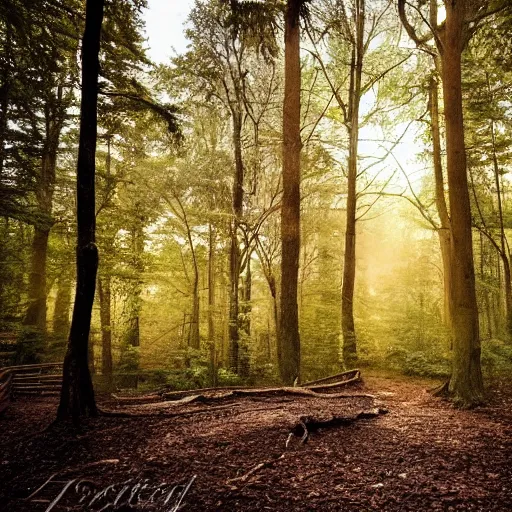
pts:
[5, 389]
[29, 379]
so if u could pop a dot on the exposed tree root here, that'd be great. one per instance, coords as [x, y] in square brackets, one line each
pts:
[302, 429]
[266, 464]
[163, 413]
[339, 380]
[308, 424]
[188, 397]
[441, 390]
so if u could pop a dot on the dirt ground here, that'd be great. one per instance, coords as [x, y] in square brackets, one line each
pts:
[422, 455]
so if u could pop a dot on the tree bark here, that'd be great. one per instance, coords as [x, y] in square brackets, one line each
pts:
[195, 340]
[289, 339]
[349, 266]
[245, 323]
[62, 305]
[54, 120]
[104, 290]
[77, 395]
[35, 315]
[234, 255]
[4, 107]
[211, 305]
[466, 384]
[504, 253]
[443, 231]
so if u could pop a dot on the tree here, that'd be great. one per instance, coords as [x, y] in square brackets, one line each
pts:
[77, 395]
[451, 37]
[289, 338]
[487, 113]
[223, 65]
[353, 28]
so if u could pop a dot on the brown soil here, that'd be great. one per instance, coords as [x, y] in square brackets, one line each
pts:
[423, 455]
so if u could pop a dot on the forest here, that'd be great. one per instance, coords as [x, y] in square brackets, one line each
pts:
[273, 270]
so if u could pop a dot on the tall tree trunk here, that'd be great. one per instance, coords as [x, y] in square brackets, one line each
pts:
[349, 266]
[211, 305]
[234, 255]
[132, 336]
[289, 339]
[195, 341]
[485, 292]
[4, 106]
[504, 253]
[36, 311]
[466, 383]
[104, 290]
[245, 323]
[77, 395]
[54, 118]
[507, 276]
[246, 308]
[443, 232]
[62, 304]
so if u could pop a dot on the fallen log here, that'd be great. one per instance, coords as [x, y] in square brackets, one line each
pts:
[337, 377]
[137, 399]
[283, 391]
[308, 424]
[311, 390]
[333, 385]
[162, 413]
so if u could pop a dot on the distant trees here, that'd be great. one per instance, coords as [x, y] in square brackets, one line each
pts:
[198, 272]
[39, 73]
[352, 68]
[486, 77]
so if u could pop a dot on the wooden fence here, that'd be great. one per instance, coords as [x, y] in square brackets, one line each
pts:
[29, 379]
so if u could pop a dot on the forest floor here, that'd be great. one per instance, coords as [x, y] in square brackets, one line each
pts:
[422, 455]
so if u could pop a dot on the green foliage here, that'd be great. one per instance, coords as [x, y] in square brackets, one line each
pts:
[428, 363]
[30, 346]
[496, 357]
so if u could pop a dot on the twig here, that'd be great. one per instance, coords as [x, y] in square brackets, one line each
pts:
[261, 465]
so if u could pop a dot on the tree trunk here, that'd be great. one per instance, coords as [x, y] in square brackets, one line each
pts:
[4, 107]
[54, 117]
[245, 323]
[508, 295]
[289, 340]
[466, 384]
[440, 199]
[62, 304]
[485, 294]
[132, 336]
[234, 255]
[104, 290]
[246, 308]
[349, 266]
[195, 341]
[77, 395]
[275, 304]
[504, 253]
[36, 311]
[211, 305]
